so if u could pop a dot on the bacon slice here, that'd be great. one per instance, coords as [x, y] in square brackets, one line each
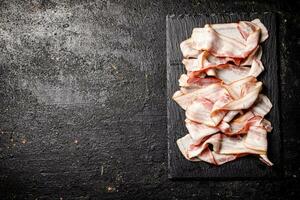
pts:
[229, 30]
[220, 93]
[256, 54]
[230, 115]
[192, 64]
[265, 159]
[187, 50]
[206, 61]
[223, 158]
[202, 153]
[262, 105]
[242, 124]
[211, 92]
[224, 148]
[264, 31]
[215, 90]
[183, 145]
[235, 88]
[238, 125]
[198, 82]
[199, 131]
[200, 110]
[248, 96]
[256, 139]
[233, 73]
[207, 39]
[221, 45]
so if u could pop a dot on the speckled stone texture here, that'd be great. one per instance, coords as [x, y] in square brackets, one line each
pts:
[83, 101]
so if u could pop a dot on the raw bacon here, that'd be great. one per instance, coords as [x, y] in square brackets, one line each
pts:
[223, 44]
[221, 95]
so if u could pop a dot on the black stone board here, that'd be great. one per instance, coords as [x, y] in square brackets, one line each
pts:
[179, 28]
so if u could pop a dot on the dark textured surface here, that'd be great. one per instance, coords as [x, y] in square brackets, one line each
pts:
[179, 28]
[95, 72]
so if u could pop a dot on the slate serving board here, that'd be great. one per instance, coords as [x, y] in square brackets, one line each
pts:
[179, 28]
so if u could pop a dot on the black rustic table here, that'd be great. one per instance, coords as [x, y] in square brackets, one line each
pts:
[83, 101]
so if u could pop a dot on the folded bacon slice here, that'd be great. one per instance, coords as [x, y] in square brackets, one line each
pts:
[208, 63]
[199, 131]
[211, 91]
[256, 139]
[187, 50]
[262, 106]
[215, 90]
[244, 102]
[207, 39]
[239, 124]
[229, 30]
[264, 32]
[184, 144]
[230, 115]
[256, 54]
[223, 148]
[189, 85]
[233, 73]
[200, 110]
[222, 44]
[220, 93]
